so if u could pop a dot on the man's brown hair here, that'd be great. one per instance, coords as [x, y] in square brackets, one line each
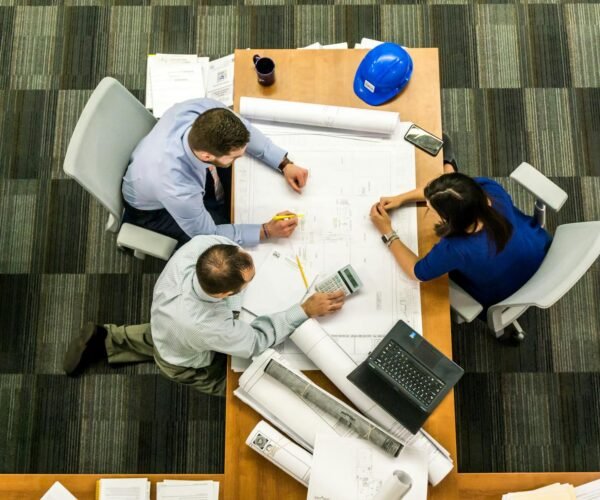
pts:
[219, 269]
[218, 131]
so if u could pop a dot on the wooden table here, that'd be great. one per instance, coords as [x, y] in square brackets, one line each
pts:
[325, 76]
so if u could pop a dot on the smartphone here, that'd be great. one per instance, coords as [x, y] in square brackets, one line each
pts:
[424, 140]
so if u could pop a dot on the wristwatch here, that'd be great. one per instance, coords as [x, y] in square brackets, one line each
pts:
[388, 238]
[284, 163]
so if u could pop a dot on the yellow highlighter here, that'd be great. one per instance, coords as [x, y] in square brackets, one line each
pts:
[287, 216]
[302, 272]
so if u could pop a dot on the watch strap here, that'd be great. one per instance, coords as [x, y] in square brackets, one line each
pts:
[284, 163]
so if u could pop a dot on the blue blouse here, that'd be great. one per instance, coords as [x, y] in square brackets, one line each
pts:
[472, 262]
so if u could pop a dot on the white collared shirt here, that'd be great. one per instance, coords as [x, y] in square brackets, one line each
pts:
[188, 325]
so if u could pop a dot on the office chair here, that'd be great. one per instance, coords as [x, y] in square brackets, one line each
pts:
[111, 125]
[573, 250]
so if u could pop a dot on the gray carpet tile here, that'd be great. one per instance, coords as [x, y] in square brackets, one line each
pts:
[520, 82]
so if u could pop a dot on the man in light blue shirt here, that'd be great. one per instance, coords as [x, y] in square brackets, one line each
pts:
[172, 186]
[194, 319]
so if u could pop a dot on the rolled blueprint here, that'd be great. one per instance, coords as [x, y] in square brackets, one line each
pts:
[296, 417]
[333, 361]
[395, 487]
[332, 406]
[279, 450]
[319, 115]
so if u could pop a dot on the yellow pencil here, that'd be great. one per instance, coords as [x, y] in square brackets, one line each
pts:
[287, 216]
[302, 272]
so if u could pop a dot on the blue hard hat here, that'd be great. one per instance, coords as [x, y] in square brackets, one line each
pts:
[382, 73]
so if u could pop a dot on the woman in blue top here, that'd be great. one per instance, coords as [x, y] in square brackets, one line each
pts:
[487, 245]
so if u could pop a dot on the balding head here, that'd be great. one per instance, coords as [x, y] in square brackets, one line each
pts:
[224, 269]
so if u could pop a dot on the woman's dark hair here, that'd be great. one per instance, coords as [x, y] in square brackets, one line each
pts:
[461, 202]
[219, 269]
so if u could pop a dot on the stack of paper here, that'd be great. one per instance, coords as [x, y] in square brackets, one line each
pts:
[187, 490]
[128, 488]
[588, 491]
[173, 78]
[554, 491]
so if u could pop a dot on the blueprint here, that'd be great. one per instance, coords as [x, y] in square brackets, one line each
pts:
[354, 469]
[348, 173]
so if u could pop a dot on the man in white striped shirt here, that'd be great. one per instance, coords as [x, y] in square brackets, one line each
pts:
[194, 319]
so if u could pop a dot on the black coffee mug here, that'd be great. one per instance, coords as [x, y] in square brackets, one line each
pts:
[265, 70]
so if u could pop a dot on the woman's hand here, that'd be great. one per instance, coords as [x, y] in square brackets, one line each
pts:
[380, 219]
[391, 202]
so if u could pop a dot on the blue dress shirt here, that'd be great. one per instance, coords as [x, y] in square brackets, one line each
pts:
[164, 173]
[472, 261]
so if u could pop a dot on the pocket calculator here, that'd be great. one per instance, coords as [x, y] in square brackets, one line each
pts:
[345, 279]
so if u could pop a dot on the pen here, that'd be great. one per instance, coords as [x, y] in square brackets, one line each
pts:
[302, 272]
[287, 216]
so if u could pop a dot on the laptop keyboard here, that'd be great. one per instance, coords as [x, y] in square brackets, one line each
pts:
[408, 374]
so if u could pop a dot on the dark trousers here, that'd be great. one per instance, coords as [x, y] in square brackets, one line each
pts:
[161, 221]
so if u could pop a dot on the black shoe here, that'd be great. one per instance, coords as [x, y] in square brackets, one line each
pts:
[85, 349]
[449, 152]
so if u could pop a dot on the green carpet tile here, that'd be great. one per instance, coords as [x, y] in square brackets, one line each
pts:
[520, 82]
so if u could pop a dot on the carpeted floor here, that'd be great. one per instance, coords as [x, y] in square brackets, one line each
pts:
[520, 81]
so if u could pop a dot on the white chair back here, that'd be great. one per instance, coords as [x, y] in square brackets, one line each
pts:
[574, 249]
[111, 125]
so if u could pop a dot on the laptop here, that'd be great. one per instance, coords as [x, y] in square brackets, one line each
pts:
[406, 376]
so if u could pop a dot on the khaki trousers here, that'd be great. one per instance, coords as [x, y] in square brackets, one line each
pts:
[133, 344]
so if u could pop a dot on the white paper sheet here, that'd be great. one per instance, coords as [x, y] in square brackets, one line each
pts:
[219, 83]
[159, 65]
[279, 450]
[556, 491]
[354, 469]
[368, 43]
[341, 45]
[58, 492]
[173, 83]
[313, 46]
[277, 286]
[319, 115]
[588, 491]
[348, 174]
[336, 364]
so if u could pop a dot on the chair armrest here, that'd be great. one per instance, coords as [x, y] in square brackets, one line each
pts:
[463, 304]
[146, 241]
[540, 186]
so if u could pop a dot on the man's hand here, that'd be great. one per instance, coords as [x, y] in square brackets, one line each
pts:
[321, 304]
[380, 219]
[295, 176]
[280, 228]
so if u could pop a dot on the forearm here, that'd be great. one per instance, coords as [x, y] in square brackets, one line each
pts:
[414, 196]
[405, 257]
